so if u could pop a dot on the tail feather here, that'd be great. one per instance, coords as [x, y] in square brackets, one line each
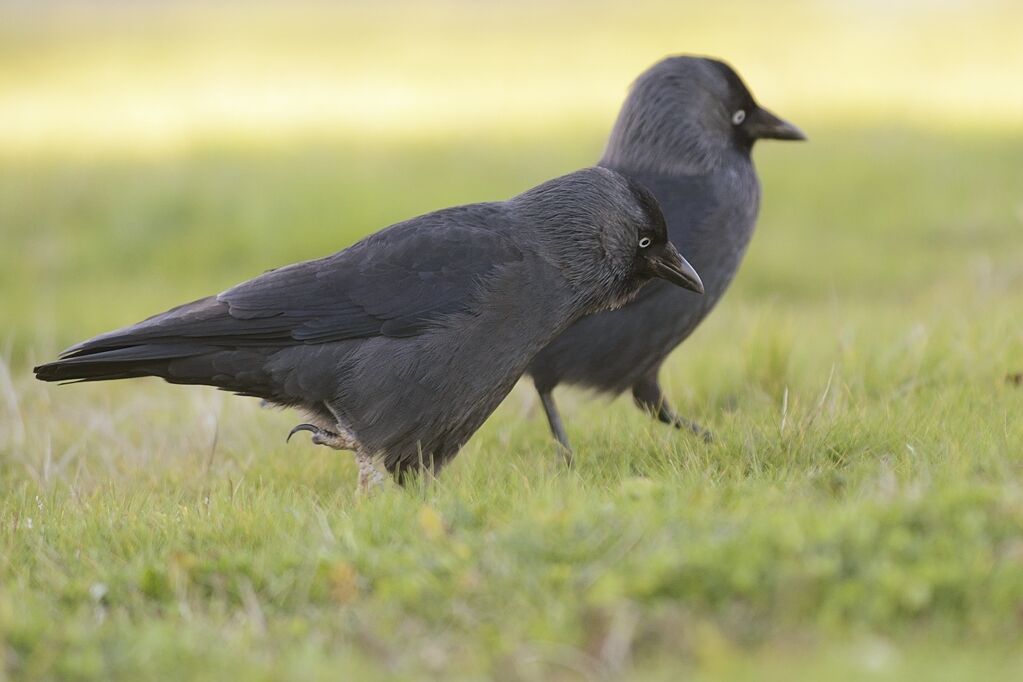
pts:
[196, 343]
[120, 363]
[150, 348]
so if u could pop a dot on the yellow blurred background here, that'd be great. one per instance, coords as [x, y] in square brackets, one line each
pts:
[157, 76]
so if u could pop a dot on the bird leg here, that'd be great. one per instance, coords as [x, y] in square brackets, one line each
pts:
[557, 428]
[370, 475]
[649, 397]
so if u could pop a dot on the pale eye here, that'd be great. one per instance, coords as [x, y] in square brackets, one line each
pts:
[738, 117]
[644, 242]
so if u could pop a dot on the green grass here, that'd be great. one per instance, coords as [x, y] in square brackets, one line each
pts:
[859, 515]
[862, 501]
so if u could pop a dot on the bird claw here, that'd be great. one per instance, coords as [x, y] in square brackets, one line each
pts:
[704, 434]
[694, 428]
[301, 427]
[323, 437]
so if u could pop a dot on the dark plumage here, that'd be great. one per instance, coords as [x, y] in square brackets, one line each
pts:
[685, 131]
[400, 346]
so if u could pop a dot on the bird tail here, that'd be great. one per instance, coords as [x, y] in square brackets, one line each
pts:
[86, 363]
[190, 344]
[240, 371]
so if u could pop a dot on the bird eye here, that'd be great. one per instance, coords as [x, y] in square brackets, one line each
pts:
[644, 242]
[738, 117]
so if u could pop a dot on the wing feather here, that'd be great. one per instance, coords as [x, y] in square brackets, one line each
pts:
[397, 282]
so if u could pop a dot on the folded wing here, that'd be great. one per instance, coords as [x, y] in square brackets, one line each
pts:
[397, 283]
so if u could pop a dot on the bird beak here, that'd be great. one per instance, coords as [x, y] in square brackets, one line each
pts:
[670, 265]
[763, 124]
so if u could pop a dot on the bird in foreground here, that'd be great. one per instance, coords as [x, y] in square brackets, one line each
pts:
[685, 132]
[400, 346]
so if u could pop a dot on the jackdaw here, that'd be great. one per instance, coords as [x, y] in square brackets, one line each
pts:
[686, 131]
[400, 346]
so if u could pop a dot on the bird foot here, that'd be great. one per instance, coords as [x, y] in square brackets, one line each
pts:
[338, 441]
[371, 473]
[565, 453]
[695, 429]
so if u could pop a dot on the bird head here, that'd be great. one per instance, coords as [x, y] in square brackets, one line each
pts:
[655, 255]
[686, 113]
[606, 234]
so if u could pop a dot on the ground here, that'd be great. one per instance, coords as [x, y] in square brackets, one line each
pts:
[858, 516]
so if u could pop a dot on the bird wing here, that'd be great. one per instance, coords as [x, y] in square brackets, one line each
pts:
[397, 283]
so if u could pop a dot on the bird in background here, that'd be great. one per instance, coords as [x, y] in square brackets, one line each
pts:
[399, 347]
[686, 132]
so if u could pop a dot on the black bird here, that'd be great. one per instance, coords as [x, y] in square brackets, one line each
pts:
[400, 346]
[686, 131]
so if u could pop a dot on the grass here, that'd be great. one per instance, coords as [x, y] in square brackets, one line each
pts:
[863, 496]
[859, 516]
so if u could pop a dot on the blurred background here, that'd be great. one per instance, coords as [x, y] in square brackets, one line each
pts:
[151, 152]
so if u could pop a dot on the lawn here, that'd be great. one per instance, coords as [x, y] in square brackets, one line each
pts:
[859, 515]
